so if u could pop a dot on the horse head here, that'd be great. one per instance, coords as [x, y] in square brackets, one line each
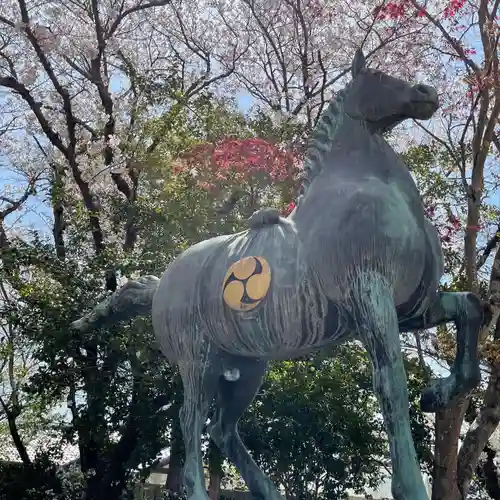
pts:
[382, 101]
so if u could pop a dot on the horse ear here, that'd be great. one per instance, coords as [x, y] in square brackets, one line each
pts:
[358, 63]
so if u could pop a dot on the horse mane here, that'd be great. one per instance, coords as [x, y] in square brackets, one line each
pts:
[320, 142]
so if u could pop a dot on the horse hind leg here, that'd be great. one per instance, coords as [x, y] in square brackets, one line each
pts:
[233, 399]
[379, 332]
[200, 384]
[467, 312]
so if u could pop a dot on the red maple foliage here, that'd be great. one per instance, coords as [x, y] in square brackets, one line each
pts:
[236, 162]
[239, 160]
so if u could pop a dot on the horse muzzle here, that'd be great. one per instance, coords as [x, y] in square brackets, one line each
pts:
[424, 102]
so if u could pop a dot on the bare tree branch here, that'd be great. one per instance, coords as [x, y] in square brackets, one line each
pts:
[6, 21]
[452, 41]
[19, 88]
[490, 246]
[131, 10]
[16, 204]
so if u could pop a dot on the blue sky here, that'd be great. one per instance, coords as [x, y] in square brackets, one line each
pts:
[244, 100]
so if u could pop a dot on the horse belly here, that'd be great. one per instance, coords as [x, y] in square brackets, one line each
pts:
[288, 324]
[283, 313]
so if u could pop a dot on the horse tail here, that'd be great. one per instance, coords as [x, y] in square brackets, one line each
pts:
[132, 300]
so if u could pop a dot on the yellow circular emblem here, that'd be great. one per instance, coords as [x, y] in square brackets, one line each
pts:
[246, 283]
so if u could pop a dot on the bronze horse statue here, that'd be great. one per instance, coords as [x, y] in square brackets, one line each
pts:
[356, 259]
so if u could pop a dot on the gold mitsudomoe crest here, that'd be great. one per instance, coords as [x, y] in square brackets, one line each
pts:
[246, 283]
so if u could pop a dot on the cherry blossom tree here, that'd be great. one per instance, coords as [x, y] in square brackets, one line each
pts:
[78, 82]
[300, 51]
[79, 76]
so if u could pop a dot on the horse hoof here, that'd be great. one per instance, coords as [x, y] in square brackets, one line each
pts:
[429, 402]
[445, 392]
[438, 395]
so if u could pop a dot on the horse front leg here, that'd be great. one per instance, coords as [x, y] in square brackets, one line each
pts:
[379, 332]
[467, 312]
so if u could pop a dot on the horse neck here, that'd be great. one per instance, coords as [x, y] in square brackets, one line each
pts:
[333, 143]
[353, 135]
[356, 153]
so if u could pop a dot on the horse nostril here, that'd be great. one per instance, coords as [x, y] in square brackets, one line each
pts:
[425, 90]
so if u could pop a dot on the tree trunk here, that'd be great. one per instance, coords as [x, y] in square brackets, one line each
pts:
[447, 428]
[57, 190]
[105, 487]
[477, 437]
